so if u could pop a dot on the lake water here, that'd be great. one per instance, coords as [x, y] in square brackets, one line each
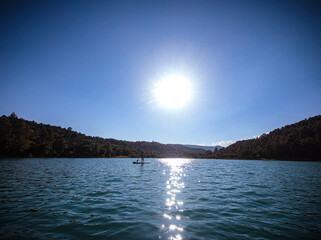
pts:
[167, 199]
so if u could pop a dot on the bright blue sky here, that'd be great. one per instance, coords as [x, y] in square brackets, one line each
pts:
[254, 65]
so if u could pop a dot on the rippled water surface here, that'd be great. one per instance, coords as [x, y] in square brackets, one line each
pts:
[167, 199]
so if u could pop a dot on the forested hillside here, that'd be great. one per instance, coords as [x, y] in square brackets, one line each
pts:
[22, 138]
[299, 141]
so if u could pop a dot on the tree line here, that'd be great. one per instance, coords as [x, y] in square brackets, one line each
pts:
[22, 138]
[299, 141]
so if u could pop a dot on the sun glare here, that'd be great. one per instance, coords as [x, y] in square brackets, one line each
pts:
[173, 91]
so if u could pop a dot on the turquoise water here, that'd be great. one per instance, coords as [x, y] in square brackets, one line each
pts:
[167, 199]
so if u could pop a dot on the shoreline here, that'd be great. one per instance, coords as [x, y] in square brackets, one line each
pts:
[123, 157]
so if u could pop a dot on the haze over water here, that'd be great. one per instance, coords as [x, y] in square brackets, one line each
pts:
[167, 199]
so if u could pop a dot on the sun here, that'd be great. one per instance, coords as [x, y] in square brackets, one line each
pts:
[173, 91]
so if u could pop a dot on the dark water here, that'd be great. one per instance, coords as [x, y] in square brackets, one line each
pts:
[167, 199]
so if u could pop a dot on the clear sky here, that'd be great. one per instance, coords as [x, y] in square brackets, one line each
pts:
[253, 66]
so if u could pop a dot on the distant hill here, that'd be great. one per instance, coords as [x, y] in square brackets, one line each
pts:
[186, 149]
[22, 138]
[298, 141]
[206, 148]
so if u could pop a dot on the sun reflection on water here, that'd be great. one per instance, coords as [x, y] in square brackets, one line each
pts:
[174, 205]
